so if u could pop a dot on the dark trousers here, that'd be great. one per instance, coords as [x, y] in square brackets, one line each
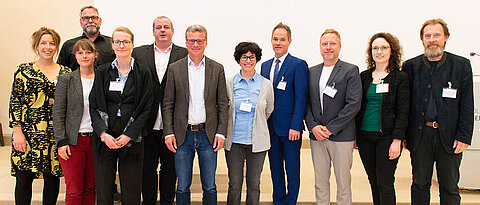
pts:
[129, 168]
[23, 188]
[155, 149]
[130, 173]
[374, 152]
[429, 151]
[236, 158]
[284, 157]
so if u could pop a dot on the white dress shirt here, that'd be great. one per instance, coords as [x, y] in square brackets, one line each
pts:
[272, 70]
[196, 101]
[161, 63]
[196, 85]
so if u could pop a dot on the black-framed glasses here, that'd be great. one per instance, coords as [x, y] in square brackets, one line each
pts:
[244, 58]
[87, 18]
[125, 43]
[199, 41]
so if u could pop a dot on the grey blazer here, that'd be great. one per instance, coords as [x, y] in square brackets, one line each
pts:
[339, 112]
[176, 98]
[68, 108]
[264, 108]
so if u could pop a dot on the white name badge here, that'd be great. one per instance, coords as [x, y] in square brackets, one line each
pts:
[116, 86]
[382, 88]
[449, 93]
[246, 107]
[282, 85]
[330, 91]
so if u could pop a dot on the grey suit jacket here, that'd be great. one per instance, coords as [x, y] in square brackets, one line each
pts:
[339, 112]
[68, 108]
[176, 98]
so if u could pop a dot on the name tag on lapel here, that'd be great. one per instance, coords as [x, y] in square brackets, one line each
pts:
[449, 93]
[330, 91]
[115, 86]
[282, 85]
[382, 88]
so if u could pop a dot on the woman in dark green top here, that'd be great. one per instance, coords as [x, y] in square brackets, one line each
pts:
[382, 119]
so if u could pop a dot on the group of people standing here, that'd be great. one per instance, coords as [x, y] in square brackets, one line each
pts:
[108, 105]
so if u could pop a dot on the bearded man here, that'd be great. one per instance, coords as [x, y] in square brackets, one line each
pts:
[90, 22]
[440, 126]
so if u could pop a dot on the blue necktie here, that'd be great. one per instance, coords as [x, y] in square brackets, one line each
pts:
[277, 68]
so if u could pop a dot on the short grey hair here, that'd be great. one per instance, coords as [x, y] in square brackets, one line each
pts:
[88, 7]
[162, 17]
[196, 28]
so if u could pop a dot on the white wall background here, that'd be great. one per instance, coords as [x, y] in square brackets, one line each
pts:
[230, 22]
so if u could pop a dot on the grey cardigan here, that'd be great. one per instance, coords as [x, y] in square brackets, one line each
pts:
[68, 108]
[263, 109]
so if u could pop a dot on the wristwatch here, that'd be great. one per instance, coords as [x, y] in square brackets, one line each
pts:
[103, 137]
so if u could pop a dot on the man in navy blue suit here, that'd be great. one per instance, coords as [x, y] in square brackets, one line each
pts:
[290, 81]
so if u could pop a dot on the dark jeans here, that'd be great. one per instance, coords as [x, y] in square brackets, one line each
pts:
[374, 152]
[429, 151]
[196, 142]
[284, 156]
[236, 158]
[155, 149]
[23, 188]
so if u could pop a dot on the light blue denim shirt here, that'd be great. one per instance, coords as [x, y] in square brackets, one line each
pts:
[245, 92]
[122, 79]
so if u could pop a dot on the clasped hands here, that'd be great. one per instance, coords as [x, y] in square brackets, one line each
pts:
[115, 143]
[321, 132]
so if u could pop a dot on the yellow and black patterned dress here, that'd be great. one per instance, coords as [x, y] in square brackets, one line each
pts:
[31, 104]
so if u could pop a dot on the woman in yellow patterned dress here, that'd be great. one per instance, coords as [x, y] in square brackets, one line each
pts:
[34, 154]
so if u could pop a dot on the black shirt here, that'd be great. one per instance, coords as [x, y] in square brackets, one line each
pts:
[102, 43]
[431, 112]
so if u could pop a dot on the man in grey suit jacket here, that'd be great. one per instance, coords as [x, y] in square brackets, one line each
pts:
[157, 57]
[195, 114]
[335, 97]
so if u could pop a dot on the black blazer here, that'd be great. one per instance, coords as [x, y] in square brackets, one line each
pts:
[134, 102]
[394, 105]
[145, 55]
[454, 115]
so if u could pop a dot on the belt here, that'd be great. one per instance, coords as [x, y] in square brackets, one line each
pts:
[88, 134]
[197, 127]
[433, 124]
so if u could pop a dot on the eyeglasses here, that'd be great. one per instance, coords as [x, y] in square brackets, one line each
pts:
[244, 58]
[199, 41]
[281, 40]
[381, 48]
[125, 43]
[87, 18]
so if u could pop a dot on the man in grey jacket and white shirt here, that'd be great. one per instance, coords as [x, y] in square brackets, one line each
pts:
[335, 93]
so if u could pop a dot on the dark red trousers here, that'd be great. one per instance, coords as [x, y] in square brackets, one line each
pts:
[79, 173]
